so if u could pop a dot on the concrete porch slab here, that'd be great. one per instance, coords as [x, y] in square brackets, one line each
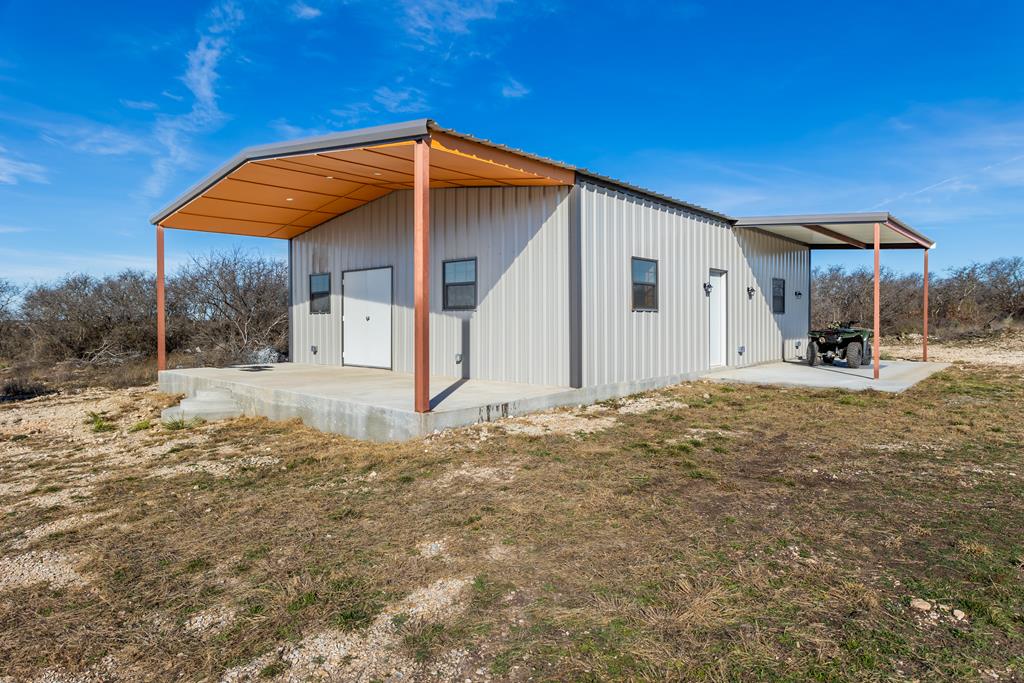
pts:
[894, 375]
[365, 403]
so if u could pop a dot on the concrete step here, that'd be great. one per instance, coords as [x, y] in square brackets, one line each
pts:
[207, 404]
[213, 394]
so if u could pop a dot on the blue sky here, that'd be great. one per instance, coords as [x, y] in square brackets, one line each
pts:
[109, 110]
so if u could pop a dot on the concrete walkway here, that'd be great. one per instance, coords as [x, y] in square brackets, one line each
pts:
[894, 376]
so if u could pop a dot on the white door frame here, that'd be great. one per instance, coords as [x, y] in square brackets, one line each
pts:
[723, 276]
[391, 324]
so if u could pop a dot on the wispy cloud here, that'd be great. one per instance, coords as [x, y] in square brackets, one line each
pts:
[351, 113]
[400, 100]
[98, 139]
[288, 130]
[174, 133]
[433, 20]
[142, 105]
[514, 89]
[12, 171]
[79, 134]
[301, 10]
[13, 229]
[172, 96]
[33, 265]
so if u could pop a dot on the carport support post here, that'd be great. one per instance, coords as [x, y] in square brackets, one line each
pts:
[924, 340]
[421, 275]
[876, 350]
[161, 308]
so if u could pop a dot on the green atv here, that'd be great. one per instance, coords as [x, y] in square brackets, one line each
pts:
[844, 341]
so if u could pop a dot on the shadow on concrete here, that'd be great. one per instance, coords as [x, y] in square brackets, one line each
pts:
[448, 391]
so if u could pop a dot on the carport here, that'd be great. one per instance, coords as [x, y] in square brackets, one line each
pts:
[867, 230]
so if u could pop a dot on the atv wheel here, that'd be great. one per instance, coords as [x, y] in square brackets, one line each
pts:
[854, 355]
[812, 354]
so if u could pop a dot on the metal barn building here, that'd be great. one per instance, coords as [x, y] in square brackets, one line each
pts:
[438, 279]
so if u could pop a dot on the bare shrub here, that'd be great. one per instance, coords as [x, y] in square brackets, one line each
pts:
[9, 293]
[966, 300]
[234, 306]
[101, 321]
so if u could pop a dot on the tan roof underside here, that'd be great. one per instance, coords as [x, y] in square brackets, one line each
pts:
[284, 197]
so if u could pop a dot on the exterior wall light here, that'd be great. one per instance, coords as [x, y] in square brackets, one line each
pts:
[750, 292]
[707, 289]
[798, 294]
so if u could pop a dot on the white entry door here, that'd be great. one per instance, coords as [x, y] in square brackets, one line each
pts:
[366, 317]
[717, 318]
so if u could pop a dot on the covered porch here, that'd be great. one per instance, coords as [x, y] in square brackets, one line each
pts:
[283, 190]
[877, 231]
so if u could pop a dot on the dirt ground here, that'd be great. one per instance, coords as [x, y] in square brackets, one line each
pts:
[702, 532]
[1006, 348]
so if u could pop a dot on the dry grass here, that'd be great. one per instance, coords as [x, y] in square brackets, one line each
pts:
[725, 533]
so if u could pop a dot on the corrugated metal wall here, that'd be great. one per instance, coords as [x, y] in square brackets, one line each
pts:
[620, 345]
[519, 332]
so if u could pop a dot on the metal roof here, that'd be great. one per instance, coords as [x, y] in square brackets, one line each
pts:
[840, 230]
[386, 134]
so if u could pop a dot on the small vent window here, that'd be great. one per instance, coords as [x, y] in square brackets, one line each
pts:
[320, 293]
[778, 295]
[460, 285]
[645, 284]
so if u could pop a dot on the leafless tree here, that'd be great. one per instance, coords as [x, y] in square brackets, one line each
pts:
[234, 304]
[9, 293]
[968, 299]
[98, 320]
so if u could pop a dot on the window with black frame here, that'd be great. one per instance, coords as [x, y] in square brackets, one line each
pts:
[460, 285]
[778, 295]
[320, 293]
[645, 284]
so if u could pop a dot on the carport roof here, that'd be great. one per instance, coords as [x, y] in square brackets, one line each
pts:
[840, 230]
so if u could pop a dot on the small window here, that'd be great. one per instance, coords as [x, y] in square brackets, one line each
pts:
[778, 295]
[460, 285]
[320, 293]
[645, 284]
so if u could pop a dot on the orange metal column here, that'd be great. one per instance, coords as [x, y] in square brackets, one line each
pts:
[421, 275]
[876, 342]
[925, 339]
[161, 313]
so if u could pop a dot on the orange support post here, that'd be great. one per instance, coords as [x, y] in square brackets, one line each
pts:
[924, 340]
[421, 275]
[161, 308]
[876, 342]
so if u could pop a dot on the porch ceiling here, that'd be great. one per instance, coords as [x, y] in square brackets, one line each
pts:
[286, 189]
[840, 230]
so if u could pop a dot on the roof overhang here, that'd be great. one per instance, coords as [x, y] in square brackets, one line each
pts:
[840, 230]
[284, 189]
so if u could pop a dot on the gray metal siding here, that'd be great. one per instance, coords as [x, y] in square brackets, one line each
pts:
[519, 332]
[621, 345]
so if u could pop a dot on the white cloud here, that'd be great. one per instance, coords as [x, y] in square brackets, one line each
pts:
[174, 133]
[431, 20]
[12, 171]
[172, 96]
[141, 105]
[12, 229]
[33, 265]
[351, 113]
[101, 139]
[400, 100]
[301, 10]
[514, 89]
[288, 130]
